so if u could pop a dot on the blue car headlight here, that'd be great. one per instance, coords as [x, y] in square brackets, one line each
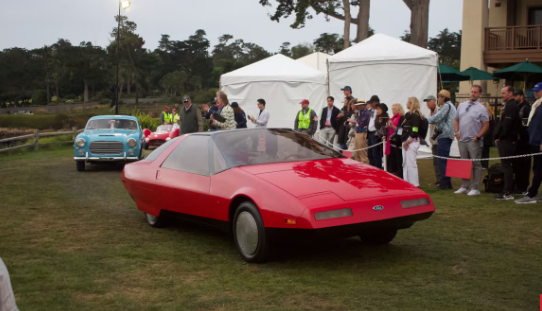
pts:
[131, 142]
[80, 142]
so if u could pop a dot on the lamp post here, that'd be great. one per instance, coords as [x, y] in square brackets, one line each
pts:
[122, 4]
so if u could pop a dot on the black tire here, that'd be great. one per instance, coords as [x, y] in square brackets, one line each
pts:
[146, 147]
[80, 166]
[379, 237]
[262, 249]
[159, 221]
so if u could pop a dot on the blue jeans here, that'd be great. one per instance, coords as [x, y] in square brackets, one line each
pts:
[443, 150]
[375, 154]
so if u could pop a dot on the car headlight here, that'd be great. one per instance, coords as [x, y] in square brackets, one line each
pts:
[147, 140]
[168, 139]
[131, 143]
[338, 213]
[81, 152]
[131, 152]
[414, 203]
[80, 142]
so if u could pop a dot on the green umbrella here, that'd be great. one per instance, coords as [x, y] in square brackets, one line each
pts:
[477, 74]
[449, 74]
[522, 70]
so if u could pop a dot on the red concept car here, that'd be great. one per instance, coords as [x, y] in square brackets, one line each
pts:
[265, 184]
[162, 134]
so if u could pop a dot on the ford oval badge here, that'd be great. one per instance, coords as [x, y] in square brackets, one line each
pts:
[378, 208]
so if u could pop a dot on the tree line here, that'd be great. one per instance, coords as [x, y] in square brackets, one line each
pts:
[66, 71]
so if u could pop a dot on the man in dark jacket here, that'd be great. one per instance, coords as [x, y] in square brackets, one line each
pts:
[522, 166]
[190, 117]
[535, 142]
[329, 124]
[506, 136]
[305, 120]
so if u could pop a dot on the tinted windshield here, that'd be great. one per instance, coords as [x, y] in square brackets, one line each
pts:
[102, 124]
[264, 146]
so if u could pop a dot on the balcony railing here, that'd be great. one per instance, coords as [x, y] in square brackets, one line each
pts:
[511, 38]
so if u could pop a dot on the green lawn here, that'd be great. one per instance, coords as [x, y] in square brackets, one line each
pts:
[75, 241]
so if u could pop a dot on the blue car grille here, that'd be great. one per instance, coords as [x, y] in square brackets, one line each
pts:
[106, 147]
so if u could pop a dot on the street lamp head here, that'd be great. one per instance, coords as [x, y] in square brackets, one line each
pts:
[125, 4]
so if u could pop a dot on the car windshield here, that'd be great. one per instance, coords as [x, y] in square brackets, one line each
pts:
[103, 124]
[265, 146]
[164, 128]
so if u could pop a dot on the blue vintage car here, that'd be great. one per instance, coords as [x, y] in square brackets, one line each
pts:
[109, 138]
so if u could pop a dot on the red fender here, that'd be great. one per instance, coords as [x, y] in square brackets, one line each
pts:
[147, 132]
[174, 133]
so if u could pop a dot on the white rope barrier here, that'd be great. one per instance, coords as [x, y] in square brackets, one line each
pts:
[431, 156]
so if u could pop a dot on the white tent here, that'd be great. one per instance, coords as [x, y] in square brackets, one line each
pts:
[282, 82]
[317, 60]
[384, 66]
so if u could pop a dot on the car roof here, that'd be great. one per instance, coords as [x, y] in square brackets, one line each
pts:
[259, 129]
[115, 117]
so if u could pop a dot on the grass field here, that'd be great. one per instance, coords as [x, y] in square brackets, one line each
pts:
[75, 241]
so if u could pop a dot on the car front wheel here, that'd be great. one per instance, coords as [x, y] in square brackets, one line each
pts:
[249, 233]
[80, 165]
[380, 237]
[156, 221]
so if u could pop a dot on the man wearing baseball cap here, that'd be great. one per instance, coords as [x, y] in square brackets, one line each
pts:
[535, 140]
[443, 133]
[362, 122]
[166, 117]
[305, 121]
[347, 91]
[190, 117]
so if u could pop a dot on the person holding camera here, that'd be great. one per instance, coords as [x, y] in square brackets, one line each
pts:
[444, 132]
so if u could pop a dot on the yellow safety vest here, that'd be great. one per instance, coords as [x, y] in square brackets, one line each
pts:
[176, 117]
[168, 118]
[304, 120]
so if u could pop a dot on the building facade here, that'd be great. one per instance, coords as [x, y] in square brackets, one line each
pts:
[498, 34]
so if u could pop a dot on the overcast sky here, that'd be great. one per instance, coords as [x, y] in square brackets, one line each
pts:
[34, 23]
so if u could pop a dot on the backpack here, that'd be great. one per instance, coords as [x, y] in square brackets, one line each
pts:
[424, 128]
[494, 181]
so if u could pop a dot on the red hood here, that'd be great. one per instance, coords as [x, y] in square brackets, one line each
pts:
[348, 179]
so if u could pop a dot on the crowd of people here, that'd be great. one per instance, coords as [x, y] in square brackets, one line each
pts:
[362, 126]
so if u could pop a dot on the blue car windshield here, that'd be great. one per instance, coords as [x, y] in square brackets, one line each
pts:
[104, 124]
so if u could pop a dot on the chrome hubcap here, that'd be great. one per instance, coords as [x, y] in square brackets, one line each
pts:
[246, 232]
[151, 218]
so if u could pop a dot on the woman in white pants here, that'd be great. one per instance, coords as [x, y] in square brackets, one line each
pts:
[411, 141]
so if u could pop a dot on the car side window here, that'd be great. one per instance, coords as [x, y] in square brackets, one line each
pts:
[191, 156]
[218, 162]
[158, 151]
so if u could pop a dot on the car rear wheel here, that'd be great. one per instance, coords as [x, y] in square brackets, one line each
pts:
[156, 221]
[380, 237]
[249, 233]
[80, 165]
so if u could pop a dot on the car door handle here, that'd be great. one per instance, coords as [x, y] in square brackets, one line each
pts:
[158, 177]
